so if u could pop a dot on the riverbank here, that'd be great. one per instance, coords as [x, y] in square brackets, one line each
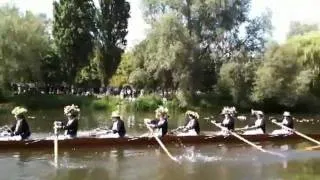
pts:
[107, 103]
[147, 103]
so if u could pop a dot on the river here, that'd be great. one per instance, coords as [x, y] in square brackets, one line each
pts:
[216, 161]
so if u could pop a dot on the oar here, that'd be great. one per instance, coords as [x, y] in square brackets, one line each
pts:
[248, 142]
[56, 126]
[161, 144]
[298, 133]
[35, 141]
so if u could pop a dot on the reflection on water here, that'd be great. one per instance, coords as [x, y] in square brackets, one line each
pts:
[198, 162]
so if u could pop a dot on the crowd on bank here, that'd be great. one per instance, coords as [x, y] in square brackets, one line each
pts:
[159, 124]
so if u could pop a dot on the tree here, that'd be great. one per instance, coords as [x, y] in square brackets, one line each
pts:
[112, 24]
[282, 78]
[166, 54]
[124, 70]
[307, 49]
[237, 78]
[24, 42]
[213, 26]
[73, 29]
[298, 28]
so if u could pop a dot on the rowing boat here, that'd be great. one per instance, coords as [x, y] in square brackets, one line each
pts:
[96, 142]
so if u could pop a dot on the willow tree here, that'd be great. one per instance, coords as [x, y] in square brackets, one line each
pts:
[307, 49]
[282, 77]
[24, 41]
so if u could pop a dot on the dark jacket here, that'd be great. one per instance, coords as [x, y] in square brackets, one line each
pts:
[263, 125]
[290, 123]
[230, 125]
[71, 128]
[23, 130]
[121, 130]
[195, 126]
[163, 126]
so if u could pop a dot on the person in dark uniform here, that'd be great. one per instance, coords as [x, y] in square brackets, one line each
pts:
[191, 127]
[71, 125]
[160, 124]
[21, 126]
[117, 127]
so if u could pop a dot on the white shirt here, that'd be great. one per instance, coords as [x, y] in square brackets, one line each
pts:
[18, 125]
[70, 121]
[258, 122]
[190, 123]
[226, 120]
[115, 126]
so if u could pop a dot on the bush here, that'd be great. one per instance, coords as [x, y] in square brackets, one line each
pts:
[146, 103]
[106, 103]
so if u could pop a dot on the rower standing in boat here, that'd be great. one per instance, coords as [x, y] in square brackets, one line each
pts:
[286, 121]
[259, 126]
[191, 127]
[160, 124]
[21, 126]
[71, 126]
[229, 120]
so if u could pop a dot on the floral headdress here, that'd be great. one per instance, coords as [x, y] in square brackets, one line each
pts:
[192, 113]
[161, 110]
[71, 109]
[19, 110]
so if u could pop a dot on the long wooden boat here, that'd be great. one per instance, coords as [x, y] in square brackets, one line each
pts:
[94, 142]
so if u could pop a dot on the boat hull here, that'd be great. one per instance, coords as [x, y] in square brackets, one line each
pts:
[93, 142]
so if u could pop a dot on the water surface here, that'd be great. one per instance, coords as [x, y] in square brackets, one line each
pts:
[216, 161]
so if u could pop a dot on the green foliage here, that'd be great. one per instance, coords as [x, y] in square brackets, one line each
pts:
[282, 77]
[73, 26]
[24, 42]
[106, 103]
[237, 80]
[190, 40]
[112, 24]
[146, 103]
[124, 70]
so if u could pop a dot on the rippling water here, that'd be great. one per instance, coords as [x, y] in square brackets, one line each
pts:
[197, 162]
[217, 161]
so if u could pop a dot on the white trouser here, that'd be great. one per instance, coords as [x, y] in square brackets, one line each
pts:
[109, 135]
[190, 132]
[10, 138]
[281, 131]
[60, 137]
[253, 132]
[223, 132]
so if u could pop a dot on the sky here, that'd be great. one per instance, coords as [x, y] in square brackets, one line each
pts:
[283, 12]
